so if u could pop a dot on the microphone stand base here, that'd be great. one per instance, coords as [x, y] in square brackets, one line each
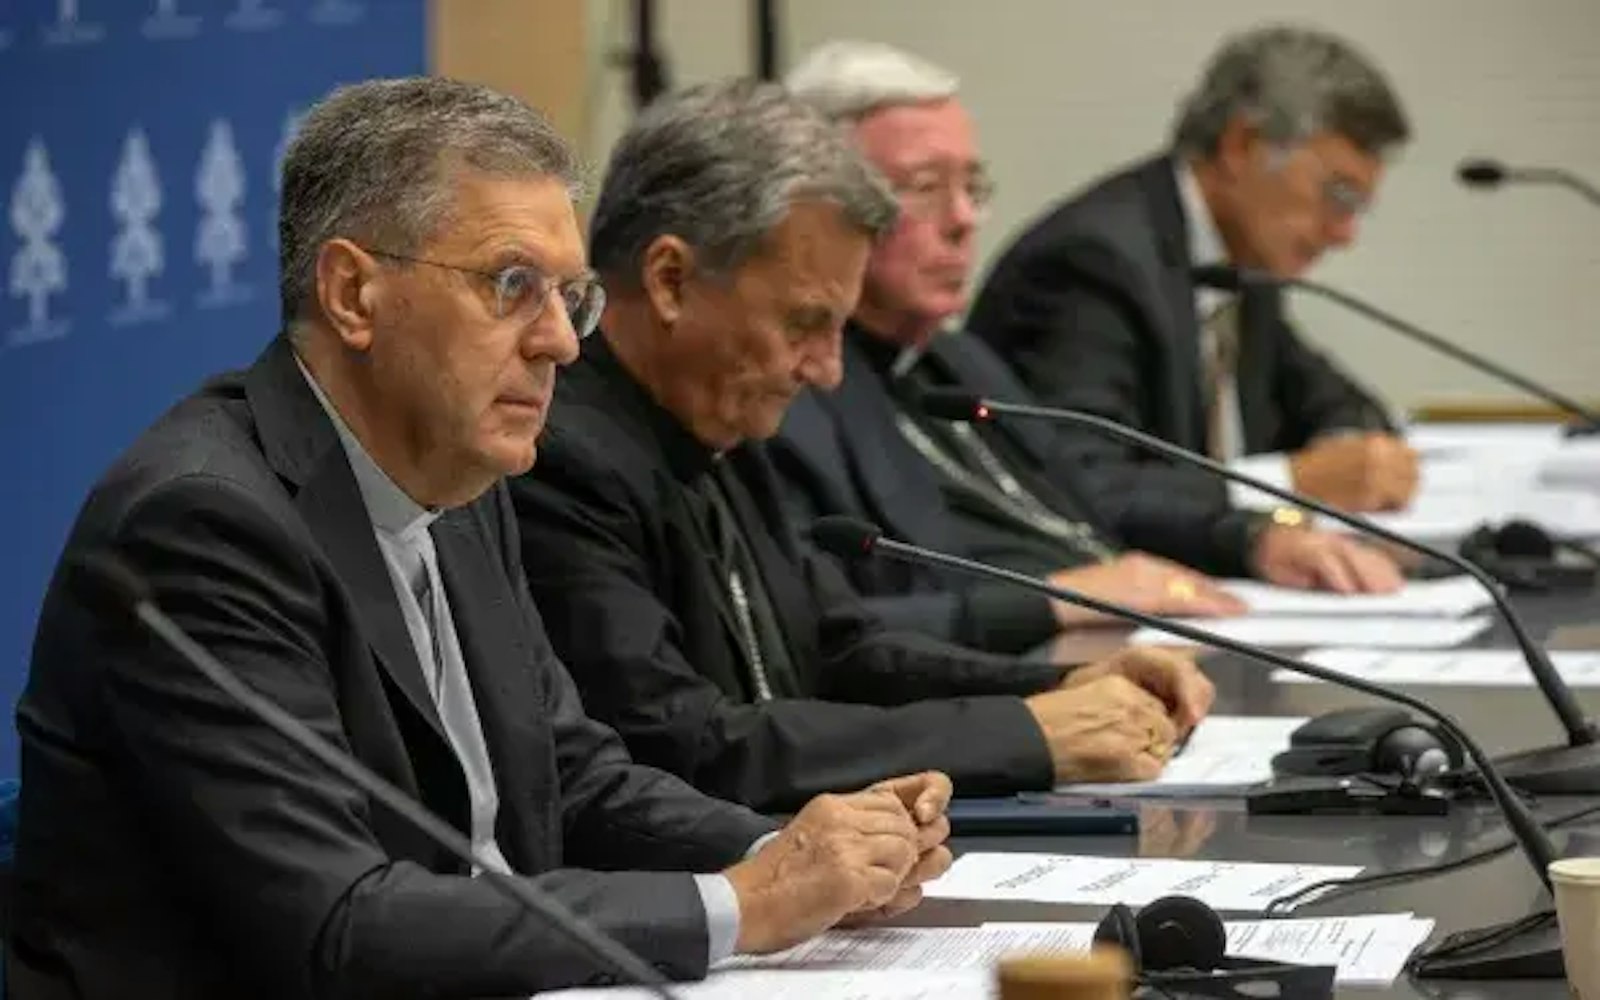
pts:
[1581, 429]
[1529, 948]
[1563, 770]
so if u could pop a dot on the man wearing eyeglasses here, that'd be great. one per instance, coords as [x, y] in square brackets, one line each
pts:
[1276, 156]
[998, 492]
[333, 525]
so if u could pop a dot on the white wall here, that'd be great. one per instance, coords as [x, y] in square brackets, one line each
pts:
[1063, 90]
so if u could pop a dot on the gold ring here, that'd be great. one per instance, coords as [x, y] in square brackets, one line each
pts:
[1181, 589]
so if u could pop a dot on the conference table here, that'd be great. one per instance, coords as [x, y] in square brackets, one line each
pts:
[1490, 892]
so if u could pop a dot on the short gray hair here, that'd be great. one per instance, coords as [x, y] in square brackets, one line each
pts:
[849, 79]
[373, 162]
[1290, 83]
[719, 166]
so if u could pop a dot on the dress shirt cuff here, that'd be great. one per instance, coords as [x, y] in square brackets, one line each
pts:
[722, 907]
[722, 916]
[1272, 468]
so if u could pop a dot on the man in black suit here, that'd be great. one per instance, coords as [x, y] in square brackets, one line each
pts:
[332, 523]
[1005, 492]
[1275, 157]
[732, 231]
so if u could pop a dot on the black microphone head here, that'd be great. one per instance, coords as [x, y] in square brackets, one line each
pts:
[845, 537]
[952, 404]
[1480, 173]
[107, 585]
[1525, 540]
[1220, 277]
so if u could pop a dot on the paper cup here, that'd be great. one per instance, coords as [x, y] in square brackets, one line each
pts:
[1577, 887]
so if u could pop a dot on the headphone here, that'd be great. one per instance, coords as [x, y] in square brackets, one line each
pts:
[1179, 943]
[1376, 741]
[1524, 556]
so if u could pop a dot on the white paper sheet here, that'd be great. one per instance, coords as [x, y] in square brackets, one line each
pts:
[1566, 512]
[1449, 598]
[784, 984]
[1226, 753]
[1092, 881]
[1457, 668]
[1367, 950]
[1378, 632]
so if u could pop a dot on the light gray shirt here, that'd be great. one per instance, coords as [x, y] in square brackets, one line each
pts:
[401, 526]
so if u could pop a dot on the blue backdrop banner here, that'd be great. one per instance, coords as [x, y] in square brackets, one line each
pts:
[139, 147]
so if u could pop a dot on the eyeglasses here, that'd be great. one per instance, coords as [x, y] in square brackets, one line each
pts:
[931, 192]
[1341, 196]
[521, 291]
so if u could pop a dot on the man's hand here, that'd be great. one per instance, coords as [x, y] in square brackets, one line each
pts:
[1170, 675]
[926, 797]
[1357, 471]
[1145, 583]
[843, 855]
[1322, 560]
[1120, 719]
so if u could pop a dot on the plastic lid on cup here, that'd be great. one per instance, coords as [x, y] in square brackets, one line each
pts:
[1576, 871]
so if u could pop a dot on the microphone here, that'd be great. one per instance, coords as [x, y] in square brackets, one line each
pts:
[850, 538]
[1229, 279]
[1573, 769]
[105, 583]
[1492, 174]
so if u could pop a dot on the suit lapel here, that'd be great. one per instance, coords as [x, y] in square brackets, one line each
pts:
[1182, 332]
[492, 634]
[891, 474]
[303, 447]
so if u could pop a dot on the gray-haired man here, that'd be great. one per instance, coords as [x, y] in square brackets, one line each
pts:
[1275, 157]
[733, 232]
[333, 524]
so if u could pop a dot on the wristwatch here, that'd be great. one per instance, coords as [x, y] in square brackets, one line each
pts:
[1277, 517]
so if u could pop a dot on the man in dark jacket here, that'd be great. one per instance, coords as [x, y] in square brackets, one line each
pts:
[1008, 492]
[1275, 157]
[732, 231]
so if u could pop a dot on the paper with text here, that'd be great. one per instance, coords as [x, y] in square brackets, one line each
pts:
[786, 984]
[1389, 632]
[1097, 881]
[1448, 598]
[1226, 753]
[1459, 667]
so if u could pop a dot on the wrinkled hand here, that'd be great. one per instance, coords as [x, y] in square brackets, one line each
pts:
[1357, 471]
[1105, 724]
[840, 855]
[1170, 675]
[1322, 560]
[1145, 583]
[926, 797]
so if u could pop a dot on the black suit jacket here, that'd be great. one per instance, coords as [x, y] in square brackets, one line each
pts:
[1093, 307]
[841, 453]
[170, 845]
[615, 562]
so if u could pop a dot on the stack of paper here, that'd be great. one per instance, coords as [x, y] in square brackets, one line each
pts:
[1367, 950]
[1457, 668]
[1224, 755]
[780, 984]
[1099, 881]
[1391, 632]
[1448, 598]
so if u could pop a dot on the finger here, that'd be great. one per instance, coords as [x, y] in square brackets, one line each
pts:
[1216, 601]
[1374, 572]
[933, 797]
[930, 865]
[1331, 572]
[1196, 694]
[904, 901]
[931, 835]
[879, 822]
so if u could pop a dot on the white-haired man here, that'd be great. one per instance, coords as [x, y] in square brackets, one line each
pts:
[1008, 493]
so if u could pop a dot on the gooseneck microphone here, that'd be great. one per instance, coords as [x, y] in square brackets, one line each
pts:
[106, 584]
[850, 538]
[1540, 957]
[1487, 174]
[1573, 769]
[1223, 278]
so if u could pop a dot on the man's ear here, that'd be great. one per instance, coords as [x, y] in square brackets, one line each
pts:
[1238, 146]
[665, 271]
[348, 286]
